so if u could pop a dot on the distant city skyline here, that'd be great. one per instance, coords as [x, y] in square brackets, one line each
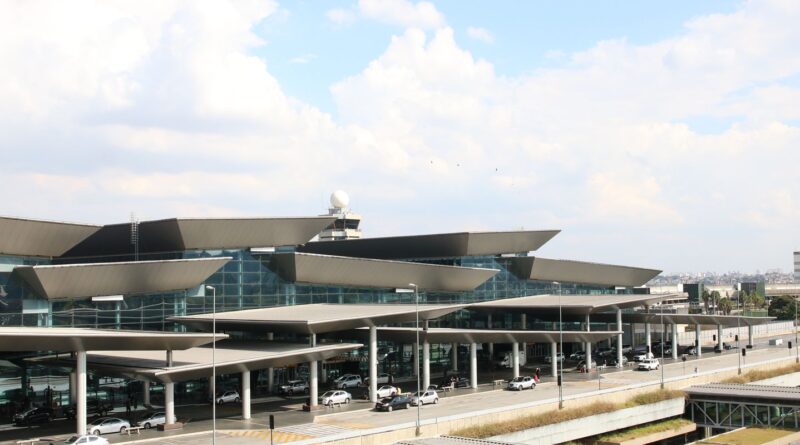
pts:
[659, 135]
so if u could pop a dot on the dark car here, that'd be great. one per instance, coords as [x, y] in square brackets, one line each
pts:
[456, 381]
[392, 403]
[33, 416]
[725, 346]
[94, 408]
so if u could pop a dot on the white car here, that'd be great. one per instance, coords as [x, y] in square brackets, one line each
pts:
[643, 357]
[350, 381]
[649, 364]
[338, 396]
[559, 357]
[381, 380]
[228, 396]
[520, 383]
[578, 355]
[386, 391]
[152, 420]
[295, 387]
[105, 425]
[429, 396]
[86, 440]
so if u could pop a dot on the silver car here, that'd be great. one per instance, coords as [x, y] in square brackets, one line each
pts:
[228, 396]
[152, 420]
[386, 391]
[106, 425]
[429, 396]
[520, 383]
[338, 396]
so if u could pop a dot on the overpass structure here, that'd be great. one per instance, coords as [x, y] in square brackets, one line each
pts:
[730, 406]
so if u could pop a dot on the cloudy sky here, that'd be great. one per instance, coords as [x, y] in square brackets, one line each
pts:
[664, 136]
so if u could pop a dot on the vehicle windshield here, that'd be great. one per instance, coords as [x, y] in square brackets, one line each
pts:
[98, 421]
[72, 439]
[517, 379]
[328, 394]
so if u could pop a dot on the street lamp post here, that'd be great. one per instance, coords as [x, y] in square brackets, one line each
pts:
[796, 346]
[213, 363]
[661, 365]
[418, 430]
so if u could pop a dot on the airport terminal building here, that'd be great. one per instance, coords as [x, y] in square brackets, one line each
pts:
[286, 304]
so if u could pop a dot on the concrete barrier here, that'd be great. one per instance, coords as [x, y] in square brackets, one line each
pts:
[595, 425]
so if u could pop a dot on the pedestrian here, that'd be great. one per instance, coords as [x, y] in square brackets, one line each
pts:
[128, 407]
[135, 403]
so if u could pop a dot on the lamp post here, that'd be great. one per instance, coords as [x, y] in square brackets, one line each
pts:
[796, 346]
[418, 430]
[561, 350]
[213, 363]
[661, 365]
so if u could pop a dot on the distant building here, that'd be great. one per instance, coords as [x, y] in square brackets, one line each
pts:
[797, 266]
[750, 287]
[346, 225]
[695, 292]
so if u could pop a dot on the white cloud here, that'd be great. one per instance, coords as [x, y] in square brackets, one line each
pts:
[480, 34]
[303, 59]
[405, 13]
[163, 109]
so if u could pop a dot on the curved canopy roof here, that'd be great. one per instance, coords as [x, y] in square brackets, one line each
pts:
[195, 363]
[30, 237]
[179, 234]
[79, 339]
[454, 335]
[570, 304]
[360, 272]
[568, 271]
[442, 245]
[94, 279]
[316, 318]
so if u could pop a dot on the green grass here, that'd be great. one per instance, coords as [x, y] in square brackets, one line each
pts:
[644, 430]
[753, 376]
[558, 416]
[748, 436]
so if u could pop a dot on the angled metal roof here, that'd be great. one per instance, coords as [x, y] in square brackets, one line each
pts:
[94, 279]
[455, 335]
[361, 272]
[745, 393]
[568, 271]
[195, 363]
[79, 339]
[30, 237]
[442, 245]
[701, 319]
[316, 318]
[569, 304]
[178, 234]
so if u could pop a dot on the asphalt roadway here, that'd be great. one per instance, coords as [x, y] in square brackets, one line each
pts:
[292, 424]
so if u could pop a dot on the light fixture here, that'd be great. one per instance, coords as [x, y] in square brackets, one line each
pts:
[107, 298]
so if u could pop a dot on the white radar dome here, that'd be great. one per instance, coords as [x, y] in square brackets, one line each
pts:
[339, 199]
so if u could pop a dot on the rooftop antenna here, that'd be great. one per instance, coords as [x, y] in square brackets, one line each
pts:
[135, 236]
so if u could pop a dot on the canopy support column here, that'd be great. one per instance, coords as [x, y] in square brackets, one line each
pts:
[454, 356]
[619, 338]
[73, 389]
[373, 364]
[674, 341]
[749, 336]
[415, 348]
[473, 365]
[647, 337]
[246, 395]
[719, 337]
[491, 345]
[313, 385]
[270, 371]
[698, 333]
[169, 396]
[426, 363]
[80, 413]
[146, 393]
[515, 358]
[554, 359]
[524, 319]
[588, 345]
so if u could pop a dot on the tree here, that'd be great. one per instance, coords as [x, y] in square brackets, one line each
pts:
[783, 307]
[706, 299]
[725, 305]
[715, 298]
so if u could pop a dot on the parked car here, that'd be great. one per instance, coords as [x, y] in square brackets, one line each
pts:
[643, 357]
[152, 420]
[603, 351]
[428, 396]
[94, 407]
[381, 380]
[560, 357]
[456, 381]
[33, 416]
[391, 403]
[386, 391]
[105, 425]
[613, 361]
[690, 350]
[520, 383]
[626, 349]
[228, 396]
[578, 355]
[336, 396]
[295, 387]
[725, 346]
[650, 364]
[87, 439]
[350, 381]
